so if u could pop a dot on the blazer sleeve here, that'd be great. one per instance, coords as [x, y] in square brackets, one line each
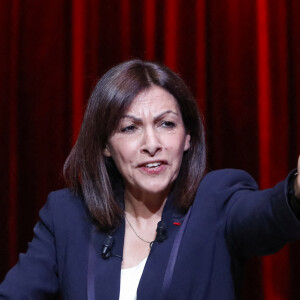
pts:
[257, 222]
[35, 274]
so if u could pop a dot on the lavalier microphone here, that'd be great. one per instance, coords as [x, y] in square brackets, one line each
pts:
[161, 232]
[107, 246]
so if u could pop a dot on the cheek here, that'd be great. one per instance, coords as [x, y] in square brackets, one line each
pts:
[123, 157]
[178, 144]
[176, 151]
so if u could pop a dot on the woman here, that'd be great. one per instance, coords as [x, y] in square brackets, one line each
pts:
[126, 228]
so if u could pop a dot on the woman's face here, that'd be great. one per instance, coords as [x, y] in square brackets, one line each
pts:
[149, 142]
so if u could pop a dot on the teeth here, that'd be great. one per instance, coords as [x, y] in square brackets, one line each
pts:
[153, 165]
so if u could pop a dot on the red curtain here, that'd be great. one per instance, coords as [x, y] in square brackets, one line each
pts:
[241, 59]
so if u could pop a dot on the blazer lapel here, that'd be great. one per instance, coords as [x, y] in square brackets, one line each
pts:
[104, 274]
[152, 278]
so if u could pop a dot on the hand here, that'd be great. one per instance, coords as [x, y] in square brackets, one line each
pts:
[297, 181]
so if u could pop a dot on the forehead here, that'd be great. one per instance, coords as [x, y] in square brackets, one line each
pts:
[154, 99]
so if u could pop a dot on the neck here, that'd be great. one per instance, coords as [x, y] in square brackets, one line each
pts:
[145, 206]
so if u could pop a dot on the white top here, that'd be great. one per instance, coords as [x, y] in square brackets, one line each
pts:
[130, 279]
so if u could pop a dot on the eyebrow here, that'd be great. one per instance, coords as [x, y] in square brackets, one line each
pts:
[155, 118]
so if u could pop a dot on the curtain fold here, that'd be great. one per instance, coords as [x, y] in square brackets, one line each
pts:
[240, 58]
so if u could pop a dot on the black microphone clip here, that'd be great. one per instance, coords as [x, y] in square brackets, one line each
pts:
[161, 232]
[107, 246]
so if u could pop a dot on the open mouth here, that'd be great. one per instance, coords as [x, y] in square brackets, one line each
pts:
[154, 168]
[153, 165]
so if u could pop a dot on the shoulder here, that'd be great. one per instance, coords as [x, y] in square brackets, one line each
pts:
[66, 194]
[228, 178]
[218, 188]
[65, 199]
[63, 206]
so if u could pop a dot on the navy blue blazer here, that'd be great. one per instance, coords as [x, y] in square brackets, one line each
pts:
[230, 221]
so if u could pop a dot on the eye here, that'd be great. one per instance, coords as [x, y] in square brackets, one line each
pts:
[129, 128]
[168, 124]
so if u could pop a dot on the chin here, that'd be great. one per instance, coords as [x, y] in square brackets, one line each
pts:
[156, 188]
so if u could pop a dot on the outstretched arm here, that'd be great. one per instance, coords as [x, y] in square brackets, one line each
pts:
[261, 222]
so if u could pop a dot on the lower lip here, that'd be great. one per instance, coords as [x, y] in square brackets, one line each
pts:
[154, 171]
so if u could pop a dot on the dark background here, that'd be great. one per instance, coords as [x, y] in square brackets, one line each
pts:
[241, 58]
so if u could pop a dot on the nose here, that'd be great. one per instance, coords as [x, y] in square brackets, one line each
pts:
[151, 142]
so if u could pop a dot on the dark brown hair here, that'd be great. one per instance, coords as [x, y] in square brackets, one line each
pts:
[88, 172]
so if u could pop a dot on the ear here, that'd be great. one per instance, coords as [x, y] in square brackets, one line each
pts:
[187, 143]
[106, 152]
